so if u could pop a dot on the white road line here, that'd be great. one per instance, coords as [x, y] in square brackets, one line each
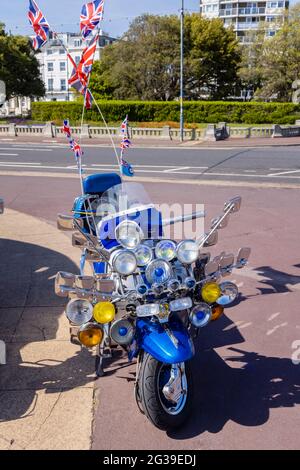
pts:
[172, 170]
[250, 171]
[8, 154]
[29, 149]
[19, 164]
[284, 172]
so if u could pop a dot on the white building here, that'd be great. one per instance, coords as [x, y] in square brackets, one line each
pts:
[56, 68]
[246, 16]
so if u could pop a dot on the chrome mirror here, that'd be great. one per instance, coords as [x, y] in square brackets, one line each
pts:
[233, 205]
[226, 264]
[211, 239]
[105, 285]
[63, 282]
[242, 257]
[215, 223]
[84, 282]
[211, 269]
[78, 240]
[217, 259]
[65, 222]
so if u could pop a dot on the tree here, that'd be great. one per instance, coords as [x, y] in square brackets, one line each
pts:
[145, 63]
[19, 67]
[213, 59]
[277, 63]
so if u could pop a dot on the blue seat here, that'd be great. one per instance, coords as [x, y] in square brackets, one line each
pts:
[99, 183]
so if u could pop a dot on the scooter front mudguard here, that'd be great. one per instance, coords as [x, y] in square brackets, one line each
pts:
[169, 348]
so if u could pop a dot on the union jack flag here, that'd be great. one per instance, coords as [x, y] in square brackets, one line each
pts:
[124, 126]
[39, 24]
[91, 14]
[80, 75]
[75, 147]
[88, 100]
[126, 168]
[67, 129]
[125, 144]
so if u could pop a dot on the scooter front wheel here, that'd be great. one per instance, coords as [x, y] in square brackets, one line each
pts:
[165, 392]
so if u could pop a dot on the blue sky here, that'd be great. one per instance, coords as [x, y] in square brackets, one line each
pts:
[64, 14]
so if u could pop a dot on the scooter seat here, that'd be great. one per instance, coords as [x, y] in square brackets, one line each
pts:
[99, 183]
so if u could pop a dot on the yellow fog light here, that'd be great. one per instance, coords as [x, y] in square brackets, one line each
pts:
[217, 312]
[104, 312]
[90, 335]
[211, 292]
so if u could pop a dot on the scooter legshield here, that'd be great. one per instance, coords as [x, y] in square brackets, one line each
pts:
[167, 348]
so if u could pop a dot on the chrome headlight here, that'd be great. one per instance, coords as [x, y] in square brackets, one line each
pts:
[187, 251]
[180, 304]
[201, 315]
[229, 293]
[143, 255]
[158, 271]
[166, 249]
[125, 262]
[79, 311]
[129, 234]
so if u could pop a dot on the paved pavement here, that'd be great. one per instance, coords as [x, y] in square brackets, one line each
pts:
[279, 165]
[247, 387]
[45, 374]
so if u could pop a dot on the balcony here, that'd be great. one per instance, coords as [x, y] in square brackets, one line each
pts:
[245, 25]
[242, 11]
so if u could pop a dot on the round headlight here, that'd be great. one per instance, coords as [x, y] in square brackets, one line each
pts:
[104, 312]
[229, 293]
[79, 311]
[129, 234]
[187, 251]
[125, 262]
[200, 315]
[217, 312]
[166, 249]
[210, 292]
[90, 335]
[143, 255]
[158, 271]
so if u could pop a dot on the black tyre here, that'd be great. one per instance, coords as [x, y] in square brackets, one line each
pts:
[164, 414]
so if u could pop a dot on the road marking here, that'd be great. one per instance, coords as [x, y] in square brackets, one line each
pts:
[8, 154]
[284, 173]
[250, 171]
[172, 170]
[29, 149]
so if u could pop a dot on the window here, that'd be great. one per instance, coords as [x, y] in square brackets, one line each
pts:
[61, 51]
[63, 85]
[77, 59]
[62, 66]
[78, 43]
[50, 84]
[49, 51]
[50, 67]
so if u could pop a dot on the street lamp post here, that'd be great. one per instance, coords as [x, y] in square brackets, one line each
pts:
[181, 71]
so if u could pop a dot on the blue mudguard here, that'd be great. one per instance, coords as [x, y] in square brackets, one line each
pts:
[166, 348]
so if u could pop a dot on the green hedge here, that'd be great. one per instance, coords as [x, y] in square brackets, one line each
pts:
[156, 111]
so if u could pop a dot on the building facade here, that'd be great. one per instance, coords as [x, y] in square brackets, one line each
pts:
[56, 68]
[245, 17]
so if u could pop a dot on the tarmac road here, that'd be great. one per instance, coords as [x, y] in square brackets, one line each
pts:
[278, 165]
[247, 387]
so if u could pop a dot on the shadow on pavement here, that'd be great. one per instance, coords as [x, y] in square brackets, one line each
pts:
[275, 280]
[29, 314]
[244, 393]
